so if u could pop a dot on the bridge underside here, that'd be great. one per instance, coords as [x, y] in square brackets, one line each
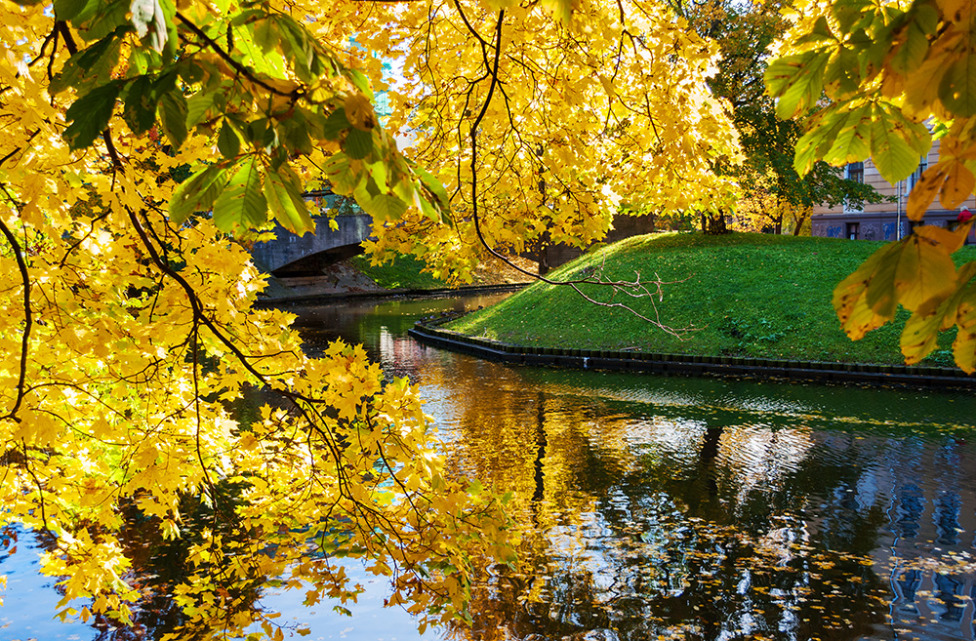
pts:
[315, 264]
[312, 254]
[291, 255]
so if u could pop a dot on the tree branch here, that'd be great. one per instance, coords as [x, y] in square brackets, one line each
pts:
[238, 67]
[28, 318]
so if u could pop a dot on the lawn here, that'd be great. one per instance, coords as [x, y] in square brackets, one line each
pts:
[739, 295]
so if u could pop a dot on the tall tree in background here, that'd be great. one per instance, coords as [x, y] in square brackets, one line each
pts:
[772, 190]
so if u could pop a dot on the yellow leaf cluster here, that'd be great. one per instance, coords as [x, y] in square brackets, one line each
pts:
[919, 274]
[578, 117]
[126, 339]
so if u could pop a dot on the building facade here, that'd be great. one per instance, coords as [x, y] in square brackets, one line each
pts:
[885, 220]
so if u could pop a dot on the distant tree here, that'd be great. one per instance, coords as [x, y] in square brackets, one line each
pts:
[772, 189]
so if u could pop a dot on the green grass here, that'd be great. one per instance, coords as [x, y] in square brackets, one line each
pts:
[403, 272]
[740, 295]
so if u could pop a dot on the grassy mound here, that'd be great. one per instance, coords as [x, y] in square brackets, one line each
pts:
[739, 295]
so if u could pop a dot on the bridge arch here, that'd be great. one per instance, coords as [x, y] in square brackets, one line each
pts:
[292, 255]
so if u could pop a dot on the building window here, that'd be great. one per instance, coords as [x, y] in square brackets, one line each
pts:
[854, 172]
[853, 230]
[916, 176]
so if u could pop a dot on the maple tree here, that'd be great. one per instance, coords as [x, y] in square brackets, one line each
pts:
[146, 143]
[882, 80]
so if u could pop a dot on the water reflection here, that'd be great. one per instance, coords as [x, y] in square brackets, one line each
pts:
[684, 508]
[713, 509]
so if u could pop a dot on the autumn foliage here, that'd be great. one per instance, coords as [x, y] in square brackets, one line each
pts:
[146, 143]
[895, 77]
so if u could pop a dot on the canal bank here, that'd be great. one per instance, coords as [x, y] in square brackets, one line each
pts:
[286, 300]
[429, 332]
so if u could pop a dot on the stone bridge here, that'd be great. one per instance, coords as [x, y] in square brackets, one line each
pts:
[291, 255]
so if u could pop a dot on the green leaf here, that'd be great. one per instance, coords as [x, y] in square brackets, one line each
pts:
[849, 13]
[242, 205]
[924, 271]
[90, 66]
[173, 117]
[298, 46]
[360, 81]
[286, 204]
[266, 33]
[261, 133]
[964, 347]
[896, 144]
[271, 62]
[380, 173]
[359, 143]
[857, 313]
[139, 109]
[383, 207]
[335, 124]
[921, 332]
[842, 73]
[834, 136]
[797, 81]
[852, 139]
[89, 115]
[809, 150]
[108, 17]
[915, 47]
[434, 186]
[819, 34]
[344, 178]
[958, 87]
[67, 9]
[197, 193]
[228, 142]
[296, 132]
[164, 84]
[197, 107]
[169, 51]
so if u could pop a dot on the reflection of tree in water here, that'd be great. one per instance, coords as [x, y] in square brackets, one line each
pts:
[645, 541]
[158, 566]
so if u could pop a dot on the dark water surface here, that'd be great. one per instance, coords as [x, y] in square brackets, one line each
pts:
[665, 508]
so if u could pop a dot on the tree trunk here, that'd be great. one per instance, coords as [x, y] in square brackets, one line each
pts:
[714, 224]
[799, 224]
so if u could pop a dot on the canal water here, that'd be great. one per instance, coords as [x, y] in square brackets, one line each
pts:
[660, 507]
